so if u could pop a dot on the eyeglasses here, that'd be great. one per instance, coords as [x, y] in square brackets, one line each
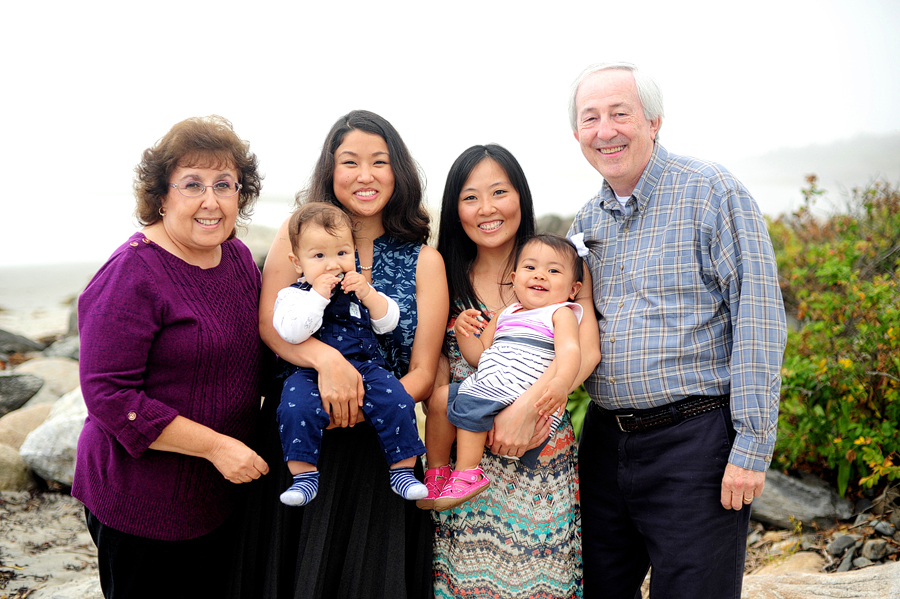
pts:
[194, 189]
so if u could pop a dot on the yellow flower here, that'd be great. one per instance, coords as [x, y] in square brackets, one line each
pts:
[846, 363]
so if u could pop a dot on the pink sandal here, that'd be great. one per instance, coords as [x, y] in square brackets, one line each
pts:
[463, 486]
[435, 480]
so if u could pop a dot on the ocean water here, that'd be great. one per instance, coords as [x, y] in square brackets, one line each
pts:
[36, 300]
[49, 260]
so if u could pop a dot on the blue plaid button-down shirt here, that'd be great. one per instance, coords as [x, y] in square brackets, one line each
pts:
[686, 285]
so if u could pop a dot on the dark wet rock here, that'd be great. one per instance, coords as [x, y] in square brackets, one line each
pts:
[68, 347]
[11, 343]
[847, 562]
[17, 388]
[885, 528]
[807, 499]
[840, 544]
[874, 549]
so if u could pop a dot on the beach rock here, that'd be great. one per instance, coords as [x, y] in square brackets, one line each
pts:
[60, 376]
[15, 426]
[847, 562]
[16, 389]
[12, 343]
[882, 582]
[259, 239]
[87, 587]
[67, 347]
[807, 499]
[802, 561]
[874, 549]
[840, 544]
[50, 448]
[14, 473]
[73, 318]
[885, 528]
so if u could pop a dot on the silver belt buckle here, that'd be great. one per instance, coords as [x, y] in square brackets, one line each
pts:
[619, 421]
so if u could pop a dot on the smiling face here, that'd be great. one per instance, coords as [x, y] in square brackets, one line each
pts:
[615, 136]
[543, 276]
[319, 252]
[198, 226]
[363, 178]
[489, 208]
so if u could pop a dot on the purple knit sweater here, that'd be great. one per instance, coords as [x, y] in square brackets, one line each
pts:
[161, 338]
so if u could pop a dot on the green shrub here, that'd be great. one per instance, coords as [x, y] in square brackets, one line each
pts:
[577, 406]
[841, 375]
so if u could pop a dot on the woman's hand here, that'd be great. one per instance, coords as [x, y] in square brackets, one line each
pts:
[517, 429]
[341, 390]
[237, 462]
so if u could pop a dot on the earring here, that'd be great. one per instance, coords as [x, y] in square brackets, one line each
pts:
[161, 211]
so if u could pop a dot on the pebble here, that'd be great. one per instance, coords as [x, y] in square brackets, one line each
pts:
[840, 544]
[874, 549]
[847, 562]
[885, 528]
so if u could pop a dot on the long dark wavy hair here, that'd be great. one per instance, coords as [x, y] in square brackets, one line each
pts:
[404, 217]
[454, 245]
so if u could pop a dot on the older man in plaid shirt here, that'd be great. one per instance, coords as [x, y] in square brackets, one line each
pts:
[684, 410]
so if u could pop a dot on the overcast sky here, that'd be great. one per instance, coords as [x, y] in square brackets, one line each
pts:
[88, 86]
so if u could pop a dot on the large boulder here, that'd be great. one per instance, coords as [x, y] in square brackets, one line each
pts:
[880, 582]
[807, 499]
[50, 448]
[16, 388]
[14, 473]
[258, 238]
[15, 426]
[12, 343]
[60, 375]
[68, 347]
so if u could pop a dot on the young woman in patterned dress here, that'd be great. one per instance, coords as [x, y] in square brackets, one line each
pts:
[521, 538]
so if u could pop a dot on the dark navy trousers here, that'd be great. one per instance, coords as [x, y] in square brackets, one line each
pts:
[653, 498]
[387, 406]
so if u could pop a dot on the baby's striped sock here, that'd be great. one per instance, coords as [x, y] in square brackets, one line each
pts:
[304, 489]
[405, 484]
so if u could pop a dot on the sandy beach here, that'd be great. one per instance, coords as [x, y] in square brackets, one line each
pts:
[45, 549]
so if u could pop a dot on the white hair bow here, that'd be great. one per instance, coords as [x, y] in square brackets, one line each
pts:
[578, 241]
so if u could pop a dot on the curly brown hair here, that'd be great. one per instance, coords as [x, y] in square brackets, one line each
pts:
[208, 141]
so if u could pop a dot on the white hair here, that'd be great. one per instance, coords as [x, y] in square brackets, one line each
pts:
[648, 90]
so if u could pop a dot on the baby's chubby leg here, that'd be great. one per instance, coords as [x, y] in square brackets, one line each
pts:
[439, 432]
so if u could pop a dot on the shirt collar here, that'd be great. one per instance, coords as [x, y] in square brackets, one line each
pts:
[645, 185]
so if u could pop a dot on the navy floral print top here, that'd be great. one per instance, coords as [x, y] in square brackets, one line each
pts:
[394, 265]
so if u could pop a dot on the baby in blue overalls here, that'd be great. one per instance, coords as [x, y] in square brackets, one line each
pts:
[336, 304]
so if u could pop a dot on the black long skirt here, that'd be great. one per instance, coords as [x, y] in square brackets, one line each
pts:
[356, 539]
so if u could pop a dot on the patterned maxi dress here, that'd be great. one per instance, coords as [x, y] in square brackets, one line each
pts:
[521, 538]
[357, 538]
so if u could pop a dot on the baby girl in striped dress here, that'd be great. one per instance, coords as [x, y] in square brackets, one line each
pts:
[512, 352]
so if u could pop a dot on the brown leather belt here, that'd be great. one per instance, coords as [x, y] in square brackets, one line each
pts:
[653, 418]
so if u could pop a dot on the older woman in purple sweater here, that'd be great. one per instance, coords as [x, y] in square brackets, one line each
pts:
[170, 359]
